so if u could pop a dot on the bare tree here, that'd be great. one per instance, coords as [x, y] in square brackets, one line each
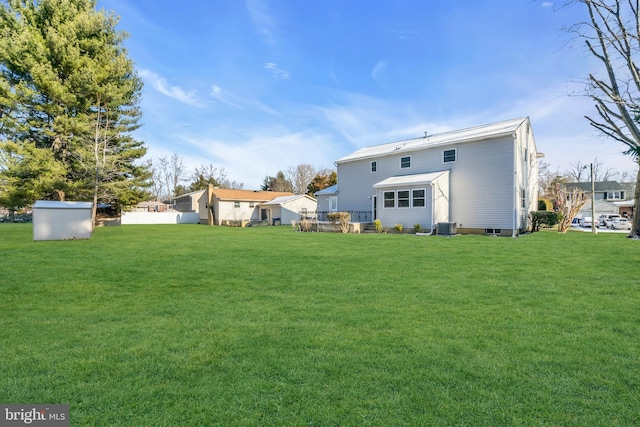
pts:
[612, 35]
[172, 172]
[300, 177]
[579, 172]
[568, 201]
[156, 180]
[546, 177]
[576, 172]
[627, 175]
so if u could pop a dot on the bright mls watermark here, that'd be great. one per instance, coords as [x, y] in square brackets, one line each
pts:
[34, 415]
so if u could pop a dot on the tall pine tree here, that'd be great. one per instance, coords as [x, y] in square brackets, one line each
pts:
[68, 86]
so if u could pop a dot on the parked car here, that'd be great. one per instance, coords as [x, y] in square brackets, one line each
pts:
[621, 224]
[586, 222]
[608, 219]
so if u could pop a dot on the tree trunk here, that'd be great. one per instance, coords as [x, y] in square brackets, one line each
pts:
[635, 225]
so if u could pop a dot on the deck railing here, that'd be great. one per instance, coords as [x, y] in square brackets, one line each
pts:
[321, 216]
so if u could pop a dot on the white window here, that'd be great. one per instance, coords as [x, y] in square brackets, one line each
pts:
[374, 167]
[405, 162]
[611, 195]
[389, 199]
[236, 204]
[418, 198]
[523, 198]
[450, 156]
[333, 204]
[403, 199]
[252, 204]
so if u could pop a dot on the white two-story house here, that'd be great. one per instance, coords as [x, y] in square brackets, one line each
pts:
[482, 180]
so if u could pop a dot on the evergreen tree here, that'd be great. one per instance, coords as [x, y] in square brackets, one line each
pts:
[26, 174]
[277, 183]
[321, 181]
[67, 86]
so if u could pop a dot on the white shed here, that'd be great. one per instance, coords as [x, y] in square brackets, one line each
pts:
[54, 220]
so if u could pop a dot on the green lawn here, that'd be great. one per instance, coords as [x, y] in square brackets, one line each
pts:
[194, 325]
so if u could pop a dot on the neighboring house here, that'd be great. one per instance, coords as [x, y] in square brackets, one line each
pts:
[327, 199]
[601, 207]
[610, 197]
[188, 202]
[151, 206]
[482, 179]
[285, 209]
[610, 191]
[219, 206]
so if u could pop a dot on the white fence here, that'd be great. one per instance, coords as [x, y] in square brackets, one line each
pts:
[159, 218]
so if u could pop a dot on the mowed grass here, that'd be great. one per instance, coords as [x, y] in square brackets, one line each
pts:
[195, 325]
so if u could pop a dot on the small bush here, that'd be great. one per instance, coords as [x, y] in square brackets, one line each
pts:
[378, 225]
[417, 228]
[398, 228]
[341, 220]
[543, 219]
[305, 225]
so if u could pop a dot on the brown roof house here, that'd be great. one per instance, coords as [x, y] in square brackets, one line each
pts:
[237, 208]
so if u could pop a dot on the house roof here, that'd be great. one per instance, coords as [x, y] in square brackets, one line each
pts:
[248, 195]
[477, 133]
[329, 190]
[598, 186]
[193, 193]
[415, 179]
[282, 200]
[53, 204]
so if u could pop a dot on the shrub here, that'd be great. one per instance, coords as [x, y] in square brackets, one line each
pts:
[341, 220]
[543, 219]
[305, 225]
[417, 228]
[378, 225]
[398, 228]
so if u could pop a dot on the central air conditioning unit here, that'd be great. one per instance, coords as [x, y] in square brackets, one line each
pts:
[446, 228]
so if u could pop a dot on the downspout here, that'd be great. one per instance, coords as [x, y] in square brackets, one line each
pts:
[433, 226]
[515, 185]
[433, 207]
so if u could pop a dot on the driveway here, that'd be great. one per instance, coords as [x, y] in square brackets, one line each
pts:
[600, 229]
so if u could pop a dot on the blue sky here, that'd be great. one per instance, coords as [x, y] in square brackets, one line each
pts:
[258, 86]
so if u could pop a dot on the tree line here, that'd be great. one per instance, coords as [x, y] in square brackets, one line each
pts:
[170, 178]
[69, 103]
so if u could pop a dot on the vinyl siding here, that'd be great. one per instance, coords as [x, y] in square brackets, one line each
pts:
[290, 211]
[408, 217]
[526, 175]
[441, 199]
[225, 210]
[482, 185]
[357, 180]
[481, 181]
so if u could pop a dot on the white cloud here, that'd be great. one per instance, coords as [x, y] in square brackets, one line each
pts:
[378, 72]
[160, 84]
[225, 97]
[262, 18]
[547, 4]
[264, 150]
[275, 71]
